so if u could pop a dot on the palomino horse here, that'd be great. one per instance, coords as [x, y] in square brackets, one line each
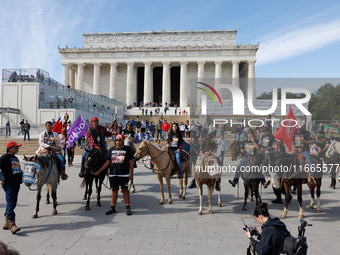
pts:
[93, 161]
[163, 167]
[203, 176]
[48, 175]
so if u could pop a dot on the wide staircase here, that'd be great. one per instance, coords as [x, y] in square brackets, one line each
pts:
[155, 119]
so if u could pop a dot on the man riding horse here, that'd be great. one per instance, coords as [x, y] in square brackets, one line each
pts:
[96, 137]
[51, 140]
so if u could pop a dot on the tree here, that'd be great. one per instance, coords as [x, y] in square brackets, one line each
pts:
[269, 95]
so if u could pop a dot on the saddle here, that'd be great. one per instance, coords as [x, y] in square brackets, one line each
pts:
[184, 157]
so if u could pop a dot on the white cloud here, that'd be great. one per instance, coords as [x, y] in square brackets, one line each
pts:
[298, 41]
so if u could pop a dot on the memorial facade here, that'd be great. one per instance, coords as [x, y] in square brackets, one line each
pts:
[157, 66]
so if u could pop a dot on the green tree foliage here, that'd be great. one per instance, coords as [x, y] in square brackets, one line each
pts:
[269, 95]
[325, 103]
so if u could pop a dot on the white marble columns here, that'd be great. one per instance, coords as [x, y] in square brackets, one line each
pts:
[235, 73]
[183, 90]
[129, 84]
[148, 86]
[251, 77]
[166, 89]
[65, 74]
[96, 78]
[71, 77]
[200, 78]
[80, 78]
[113, 81]
[218, 75]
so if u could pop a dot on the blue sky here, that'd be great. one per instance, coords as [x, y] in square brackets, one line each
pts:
[297, 38]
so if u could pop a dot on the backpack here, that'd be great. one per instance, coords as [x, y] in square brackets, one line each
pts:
[293, 245]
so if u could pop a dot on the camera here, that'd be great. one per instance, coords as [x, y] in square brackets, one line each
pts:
[251, 229]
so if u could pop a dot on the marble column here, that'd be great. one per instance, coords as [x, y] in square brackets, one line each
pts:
[200, 78]
[129, 84]
[113, 81]
[183, 90]
[166, 90]
[236, 73]
[218, 76]
[251, 77]
[96, 78]
[80, 77]
[71, 76]
[148, 86]
[66, 74]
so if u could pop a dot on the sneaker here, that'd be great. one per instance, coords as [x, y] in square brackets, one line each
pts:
[277, 201]
[232, 183]
[266, 184]
[128, 212]
[110, 212]
[64, 176]
[192, 184]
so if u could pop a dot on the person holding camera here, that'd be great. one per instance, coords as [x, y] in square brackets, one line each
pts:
[273, 234]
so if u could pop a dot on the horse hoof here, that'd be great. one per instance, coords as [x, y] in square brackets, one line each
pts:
[47, 202]
[84, 198]
[132, 191]
[251, 199]
[219, 205]
[34, 216]
[169, 202]
[179, 196]
[99, 204]
[200, 213]
[300, 216]
[211, 211]
[183, 197]
[161, 202]
[310, 207]
[87, 208]
[318, 211]
[283, 216]
[293, 192]
[244, 209]
[54, 212]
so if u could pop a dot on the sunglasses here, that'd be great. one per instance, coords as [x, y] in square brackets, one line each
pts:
[119, 140]
[95, 121]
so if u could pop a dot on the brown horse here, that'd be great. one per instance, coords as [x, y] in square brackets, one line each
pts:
[318, 182]
[235, 150]
[202, 177]
[164, 165]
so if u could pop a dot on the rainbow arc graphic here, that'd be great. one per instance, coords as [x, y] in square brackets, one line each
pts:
[209, 93]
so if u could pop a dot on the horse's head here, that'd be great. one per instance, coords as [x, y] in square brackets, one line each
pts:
[29, 168]
[330, 153]
[142, 150]
[235, 150]
[93, 160]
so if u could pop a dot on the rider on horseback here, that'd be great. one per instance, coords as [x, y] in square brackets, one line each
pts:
[175, 142]
[96, 137]
[50, 140]
[250, 146]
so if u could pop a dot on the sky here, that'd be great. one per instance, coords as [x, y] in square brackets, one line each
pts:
[298, 39]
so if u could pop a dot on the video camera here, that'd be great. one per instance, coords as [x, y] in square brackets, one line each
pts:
[251, 229]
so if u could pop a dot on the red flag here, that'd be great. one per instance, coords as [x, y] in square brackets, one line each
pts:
[286, 131]
[57, 127]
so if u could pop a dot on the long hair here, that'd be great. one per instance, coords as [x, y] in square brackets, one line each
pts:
[178, 133]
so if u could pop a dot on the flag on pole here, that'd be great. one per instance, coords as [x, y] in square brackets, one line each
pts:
[57, 127]
[286, 131]
[77, 130]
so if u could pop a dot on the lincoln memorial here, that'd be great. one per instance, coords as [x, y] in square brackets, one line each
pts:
[157, 66]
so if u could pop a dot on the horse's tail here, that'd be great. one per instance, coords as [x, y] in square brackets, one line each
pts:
[48, 187]
[83, 184]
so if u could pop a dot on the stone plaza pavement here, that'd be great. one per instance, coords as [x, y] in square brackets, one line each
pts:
[158, 229]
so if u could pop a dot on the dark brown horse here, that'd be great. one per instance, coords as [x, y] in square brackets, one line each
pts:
[235, 150]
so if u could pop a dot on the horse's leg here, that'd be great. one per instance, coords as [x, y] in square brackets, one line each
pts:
[47, 197]
[181, 187]
[86, 191]
[200, 186]
[89, 183]
[311, 190]
[160, 179]
[318, 193]
[219, 194]
[299, 192]
[35, 214]
[54, 197]
[246, 186]
[99, 182]
[210, 191]
[186, 174]
[250, 193]
[168, 187]
[256, 191]
[287, 195]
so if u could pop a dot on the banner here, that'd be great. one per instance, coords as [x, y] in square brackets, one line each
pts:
[286, 131]
[139, 137]
[57, 127]
[77, 130]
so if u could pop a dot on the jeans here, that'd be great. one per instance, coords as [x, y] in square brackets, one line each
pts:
[11, 199]
[178, 158]
[70, 155]
[165, 134]
[238, 169]
[222, 157]
[61, 159]
[21, 131]
[308, 161]
[238, 137]
[159, 133]
[26, 133]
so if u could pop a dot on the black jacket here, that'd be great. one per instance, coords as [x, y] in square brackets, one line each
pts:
[272, 237]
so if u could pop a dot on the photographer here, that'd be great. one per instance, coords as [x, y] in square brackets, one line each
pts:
[273, 233]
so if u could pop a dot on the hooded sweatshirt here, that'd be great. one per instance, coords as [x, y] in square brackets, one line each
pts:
[273, 234]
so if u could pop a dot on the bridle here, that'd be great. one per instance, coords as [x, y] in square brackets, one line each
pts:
[50, 170]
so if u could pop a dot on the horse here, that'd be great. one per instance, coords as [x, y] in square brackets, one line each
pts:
[204, 176]
[93, 161]
[251, 180]
[48, 175]
[164, 165]
[235, 150]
